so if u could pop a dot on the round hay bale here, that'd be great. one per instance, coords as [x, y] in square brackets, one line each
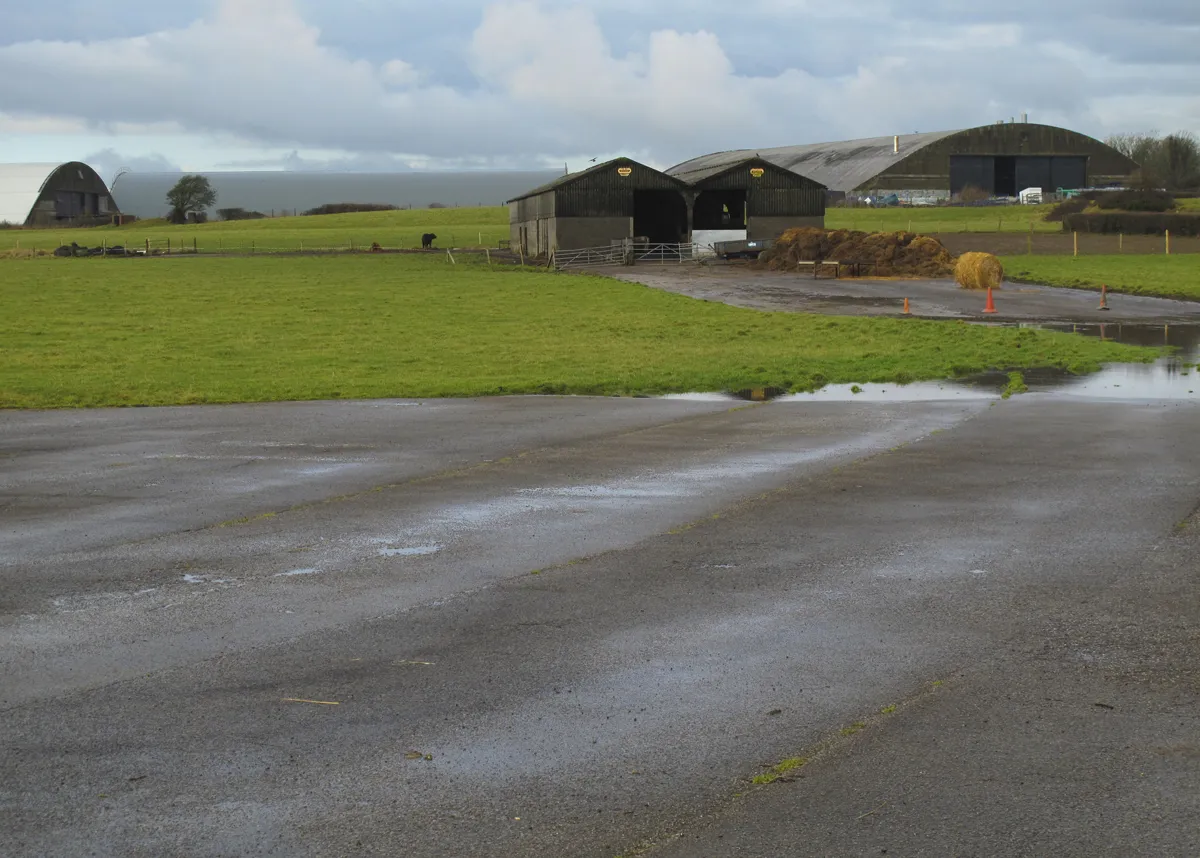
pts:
[978, 271]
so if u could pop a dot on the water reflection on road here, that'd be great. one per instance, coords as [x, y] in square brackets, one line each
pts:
[1174, 376]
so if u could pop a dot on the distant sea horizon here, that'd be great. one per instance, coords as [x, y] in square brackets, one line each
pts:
[280, 192]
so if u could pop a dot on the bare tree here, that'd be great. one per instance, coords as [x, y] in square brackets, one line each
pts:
[1171, 162]
[1181, 160]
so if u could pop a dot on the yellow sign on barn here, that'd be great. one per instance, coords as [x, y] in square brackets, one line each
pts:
[757, 172]
[624, 172]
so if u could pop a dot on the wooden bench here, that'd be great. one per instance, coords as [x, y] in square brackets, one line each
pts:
[859, 269]
[825, 266]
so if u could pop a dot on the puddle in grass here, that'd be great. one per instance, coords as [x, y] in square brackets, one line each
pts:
[1174, 376]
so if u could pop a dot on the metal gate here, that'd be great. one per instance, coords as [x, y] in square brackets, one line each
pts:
[623, 253]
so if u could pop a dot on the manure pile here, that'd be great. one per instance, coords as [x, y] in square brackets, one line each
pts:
[904, 254]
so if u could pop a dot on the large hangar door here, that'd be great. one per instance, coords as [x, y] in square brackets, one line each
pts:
[1068, 172]
[1007, 175]
[976, 171]
[1033, 172]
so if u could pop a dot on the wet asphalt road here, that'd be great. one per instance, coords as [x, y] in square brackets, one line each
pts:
[582, 626]
[743, 286]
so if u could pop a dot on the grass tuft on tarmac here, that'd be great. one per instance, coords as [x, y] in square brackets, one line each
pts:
[116, 332]
[1176, 276]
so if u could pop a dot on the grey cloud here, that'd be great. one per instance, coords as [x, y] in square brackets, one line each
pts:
[108, 162]
[488, 95]
[82, 20]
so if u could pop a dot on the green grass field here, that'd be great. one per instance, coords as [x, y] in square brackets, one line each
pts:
[942, 219]
[454, 228]
[469, 227]
[92, 332]
[465, 227]
[1164, 276]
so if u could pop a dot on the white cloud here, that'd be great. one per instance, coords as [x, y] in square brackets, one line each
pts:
[398, 73]
[536, 83]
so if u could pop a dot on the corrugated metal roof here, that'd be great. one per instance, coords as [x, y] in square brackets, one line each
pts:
[839, 166]
[694, 173]
[20, 187]
[575, 177]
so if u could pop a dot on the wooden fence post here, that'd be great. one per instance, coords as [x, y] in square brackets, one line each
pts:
[1075, 237]
[1120, 242]
[1168, 234]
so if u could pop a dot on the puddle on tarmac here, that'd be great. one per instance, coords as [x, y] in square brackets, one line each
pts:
[412, 551]
[1174, 377]
[855, 300]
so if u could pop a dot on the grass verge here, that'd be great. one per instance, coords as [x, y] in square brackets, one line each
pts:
[1161, 276]
[98, 332]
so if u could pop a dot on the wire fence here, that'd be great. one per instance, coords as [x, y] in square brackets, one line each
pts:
[242, 245]
[1000, 243]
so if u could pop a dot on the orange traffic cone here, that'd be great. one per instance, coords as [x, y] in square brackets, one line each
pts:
[991, 305]
[907, 312]
[1103, 297]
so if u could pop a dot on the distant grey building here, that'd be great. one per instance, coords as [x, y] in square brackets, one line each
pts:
[1002, 160]
[50, 194]
[282, 192]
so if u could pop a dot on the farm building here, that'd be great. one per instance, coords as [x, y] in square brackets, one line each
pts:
[48, 194]
[750, 199]
[614, 200]
[1001, 160]
[622, 199]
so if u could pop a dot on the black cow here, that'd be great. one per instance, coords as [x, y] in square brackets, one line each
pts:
[427, 241]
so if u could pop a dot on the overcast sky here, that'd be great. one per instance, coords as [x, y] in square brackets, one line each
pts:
[392, 84]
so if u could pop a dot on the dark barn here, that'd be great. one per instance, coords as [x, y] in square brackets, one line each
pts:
[621, 199]
[615, 200]
[50, 194]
